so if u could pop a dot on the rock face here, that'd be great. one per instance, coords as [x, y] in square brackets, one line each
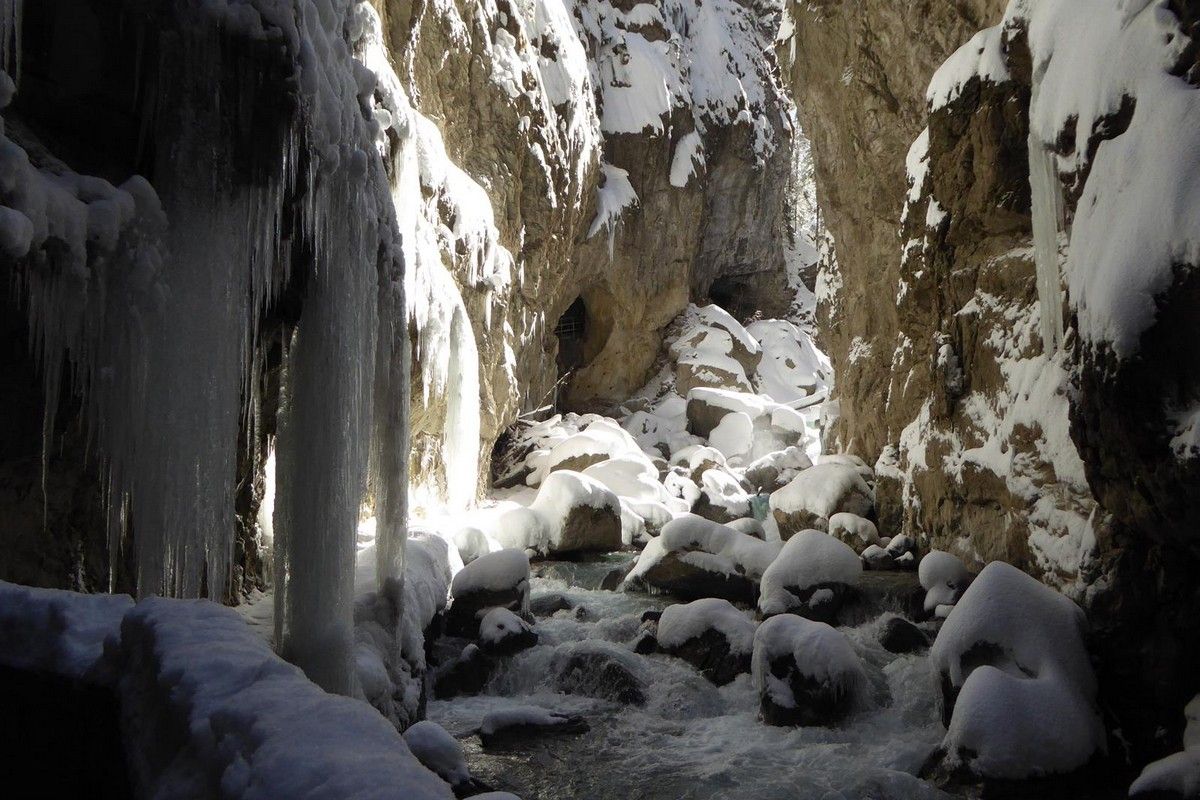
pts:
[1071, 462]
[613, 202]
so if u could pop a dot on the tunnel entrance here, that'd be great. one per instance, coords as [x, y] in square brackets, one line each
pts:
[735, 294]
[571, 331]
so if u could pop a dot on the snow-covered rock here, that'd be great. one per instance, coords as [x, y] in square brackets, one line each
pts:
[438, 751]
[1176, 777]
[944, 577]
[776, 470]
[499, 579]
[858, 532]
[710, 634]
[513, 724]
[1010, 658]
[502, 633]
[816, 494]
[806, 673]
[812, 577]
[582, 514]
[695, 557]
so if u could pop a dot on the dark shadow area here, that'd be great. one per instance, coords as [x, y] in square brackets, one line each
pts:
[571, 331]
[84, 86]
[60, 738]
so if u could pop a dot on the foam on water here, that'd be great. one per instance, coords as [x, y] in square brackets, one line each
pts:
[693, 739]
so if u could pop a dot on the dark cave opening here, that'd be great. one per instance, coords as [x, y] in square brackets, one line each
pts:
[735, 294]
[571, 330]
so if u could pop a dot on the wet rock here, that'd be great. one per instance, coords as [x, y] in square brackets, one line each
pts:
[678, 576]
[645, 643]
[514, 725]
[547, 605]
[466, 675]
[600, 670]
[711, 654]
[901, 636]
[503, 633]
[612, 580]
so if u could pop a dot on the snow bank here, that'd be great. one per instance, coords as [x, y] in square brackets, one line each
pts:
[210, 711]
[685, 621]
[1177, 775]
[807, 559]
[853, 529]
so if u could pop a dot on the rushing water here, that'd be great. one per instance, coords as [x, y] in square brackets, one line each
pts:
[692, 739]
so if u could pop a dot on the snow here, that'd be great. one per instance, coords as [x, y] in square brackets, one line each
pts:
[57, 631]
[563, 491]
[615, 195]
[1040, 671]
[1177, 774]
[207, 704]
[982, 57]
[494, 572]
[733, 435]
[820, 490]
[1137, 206]
[819, 652]
[1191, 732]
[792, 368]
[709, 545]
[498, 624]
[689, 154]
[942, 576]
[807, 559]
[860, 528]
[438, 751]
[685, 621]
[631, 477]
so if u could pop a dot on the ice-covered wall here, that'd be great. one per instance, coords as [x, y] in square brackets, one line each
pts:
[162, 299]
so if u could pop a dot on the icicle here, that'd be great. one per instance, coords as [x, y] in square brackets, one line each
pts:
[11, 13]
[1048, 221]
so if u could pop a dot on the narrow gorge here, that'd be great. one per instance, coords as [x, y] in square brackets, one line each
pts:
[598, 399]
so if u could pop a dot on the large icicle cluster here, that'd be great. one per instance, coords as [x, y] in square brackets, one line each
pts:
[155, 306]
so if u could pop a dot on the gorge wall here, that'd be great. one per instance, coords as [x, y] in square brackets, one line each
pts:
[1070, 453]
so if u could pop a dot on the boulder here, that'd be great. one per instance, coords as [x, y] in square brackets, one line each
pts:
[494, 580]
[598, 669]
[877, 558]
[695, 557]
[898, 635]
[583, 515]
[858, 532]
[514, 725]
[775, 470]
[816, 494]
[466, 675]
[813, 576]
[503, 633]
[711, 635]
[805, 672]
